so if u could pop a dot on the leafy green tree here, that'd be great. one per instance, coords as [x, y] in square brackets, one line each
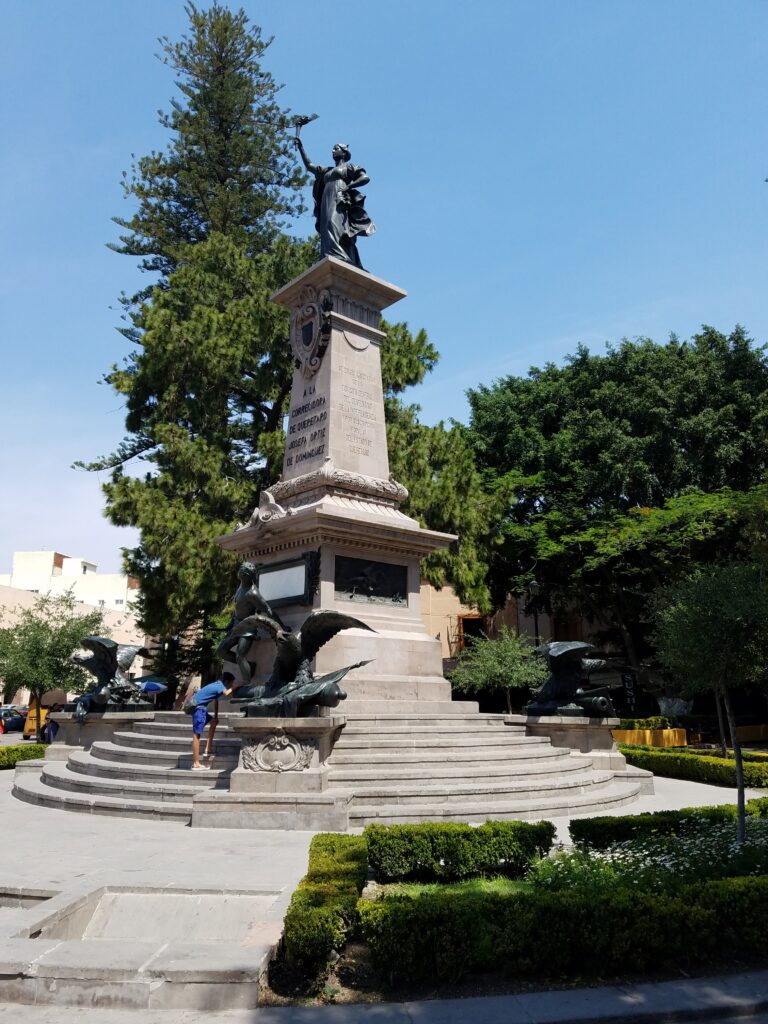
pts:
[617, 473]
[712, 634]
[35, 650]
[446, 493]
[507, 663]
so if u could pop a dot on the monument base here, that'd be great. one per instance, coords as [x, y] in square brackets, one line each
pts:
[330, 534]
[281, 778]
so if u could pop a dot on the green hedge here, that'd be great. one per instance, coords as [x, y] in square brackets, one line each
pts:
[10, 756]
[654, 722]
[434, 935]
[602, 832]
[448, 851]
[323, 908]
[697, 767]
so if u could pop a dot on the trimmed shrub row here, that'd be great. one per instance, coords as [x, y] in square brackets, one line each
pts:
[718, 771]
[435, 936]
[450, 851]
[654, 722]
[323, 908]
[10, 756]
[600, 833]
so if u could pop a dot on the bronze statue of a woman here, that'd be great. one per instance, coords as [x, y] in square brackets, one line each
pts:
[339, 207]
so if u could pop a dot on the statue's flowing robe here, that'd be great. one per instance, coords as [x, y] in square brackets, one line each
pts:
[340, 211]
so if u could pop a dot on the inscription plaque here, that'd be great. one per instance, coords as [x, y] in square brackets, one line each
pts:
[290, 582]
[307, 427]
[358, 579]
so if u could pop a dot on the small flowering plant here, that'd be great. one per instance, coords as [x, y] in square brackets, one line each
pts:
[703, 850]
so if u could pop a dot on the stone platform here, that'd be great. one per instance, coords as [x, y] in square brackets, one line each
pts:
[384, 762]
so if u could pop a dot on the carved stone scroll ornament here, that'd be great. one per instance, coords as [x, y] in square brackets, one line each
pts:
[311, 329]
[268, 509]
[279, 752]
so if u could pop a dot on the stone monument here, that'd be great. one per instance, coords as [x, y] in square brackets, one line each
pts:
[330, 534]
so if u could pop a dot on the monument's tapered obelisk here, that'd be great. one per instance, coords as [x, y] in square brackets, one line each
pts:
[330, 533]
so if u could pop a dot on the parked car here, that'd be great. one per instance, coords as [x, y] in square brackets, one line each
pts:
[11, 720]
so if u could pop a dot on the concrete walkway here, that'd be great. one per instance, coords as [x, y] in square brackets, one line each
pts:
[737, 996]
[42, 848]
[51, 850]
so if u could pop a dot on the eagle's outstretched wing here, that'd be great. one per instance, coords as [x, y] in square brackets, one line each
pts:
[321, 626]
[251, 624]
[125, 655]
[103, 660]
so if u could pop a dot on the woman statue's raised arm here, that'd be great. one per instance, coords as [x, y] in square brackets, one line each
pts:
[312, 168]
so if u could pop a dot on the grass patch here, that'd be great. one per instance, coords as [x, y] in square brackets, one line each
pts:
[499, 886]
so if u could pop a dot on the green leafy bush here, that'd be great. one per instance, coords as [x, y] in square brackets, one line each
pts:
[654, 722]
[436, 935]
[696, 767]
[10, 756]
[449, 850]
[601, 832]
[323, 908]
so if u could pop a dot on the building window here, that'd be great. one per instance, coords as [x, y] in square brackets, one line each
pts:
[101, 604]
[119, 602]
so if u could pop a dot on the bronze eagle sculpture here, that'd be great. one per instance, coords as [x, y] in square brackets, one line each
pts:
[292, 689]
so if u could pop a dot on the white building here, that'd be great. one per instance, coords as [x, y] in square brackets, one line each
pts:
[49, 572]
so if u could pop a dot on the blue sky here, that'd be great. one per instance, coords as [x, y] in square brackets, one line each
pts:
[543, 174]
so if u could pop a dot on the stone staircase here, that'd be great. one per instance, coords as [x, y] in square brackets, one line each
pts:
[450, 764]
[405, 768]
[143, 772]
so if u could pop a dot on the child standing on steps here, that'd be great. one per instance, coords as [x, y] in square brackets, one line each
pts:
[201, 716]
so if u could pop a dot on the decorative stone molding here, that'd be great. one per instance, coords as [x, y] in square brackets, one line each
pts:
[329, 478]
[356, 310]
[278, 752]
[310, 329]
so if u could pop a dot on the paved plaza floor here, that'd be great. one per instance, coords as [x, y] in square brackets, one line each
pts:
[42, 848]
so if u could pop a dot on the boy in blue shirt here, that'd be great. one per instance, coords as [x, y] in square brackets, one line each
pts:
[201, 716]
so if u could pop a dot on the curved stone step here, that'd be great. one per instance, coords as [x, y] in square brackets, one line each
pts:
[29, 787]
[184, 728]
[226, 711]
[437, 755]
[457, 740]
[224, 747]
[57, 775]
[354, 707]
[450, 722]
[428, 794]
[109, 751]
[445, 728]
[560, 806]
[83, 763]
[353, 778]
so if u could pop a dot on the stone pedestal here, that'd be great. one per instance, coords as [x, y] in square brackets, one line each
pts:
[591, 736]
[334, 514]
[72, 735]
[587, 735]
[281, 778]
[284, 755]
